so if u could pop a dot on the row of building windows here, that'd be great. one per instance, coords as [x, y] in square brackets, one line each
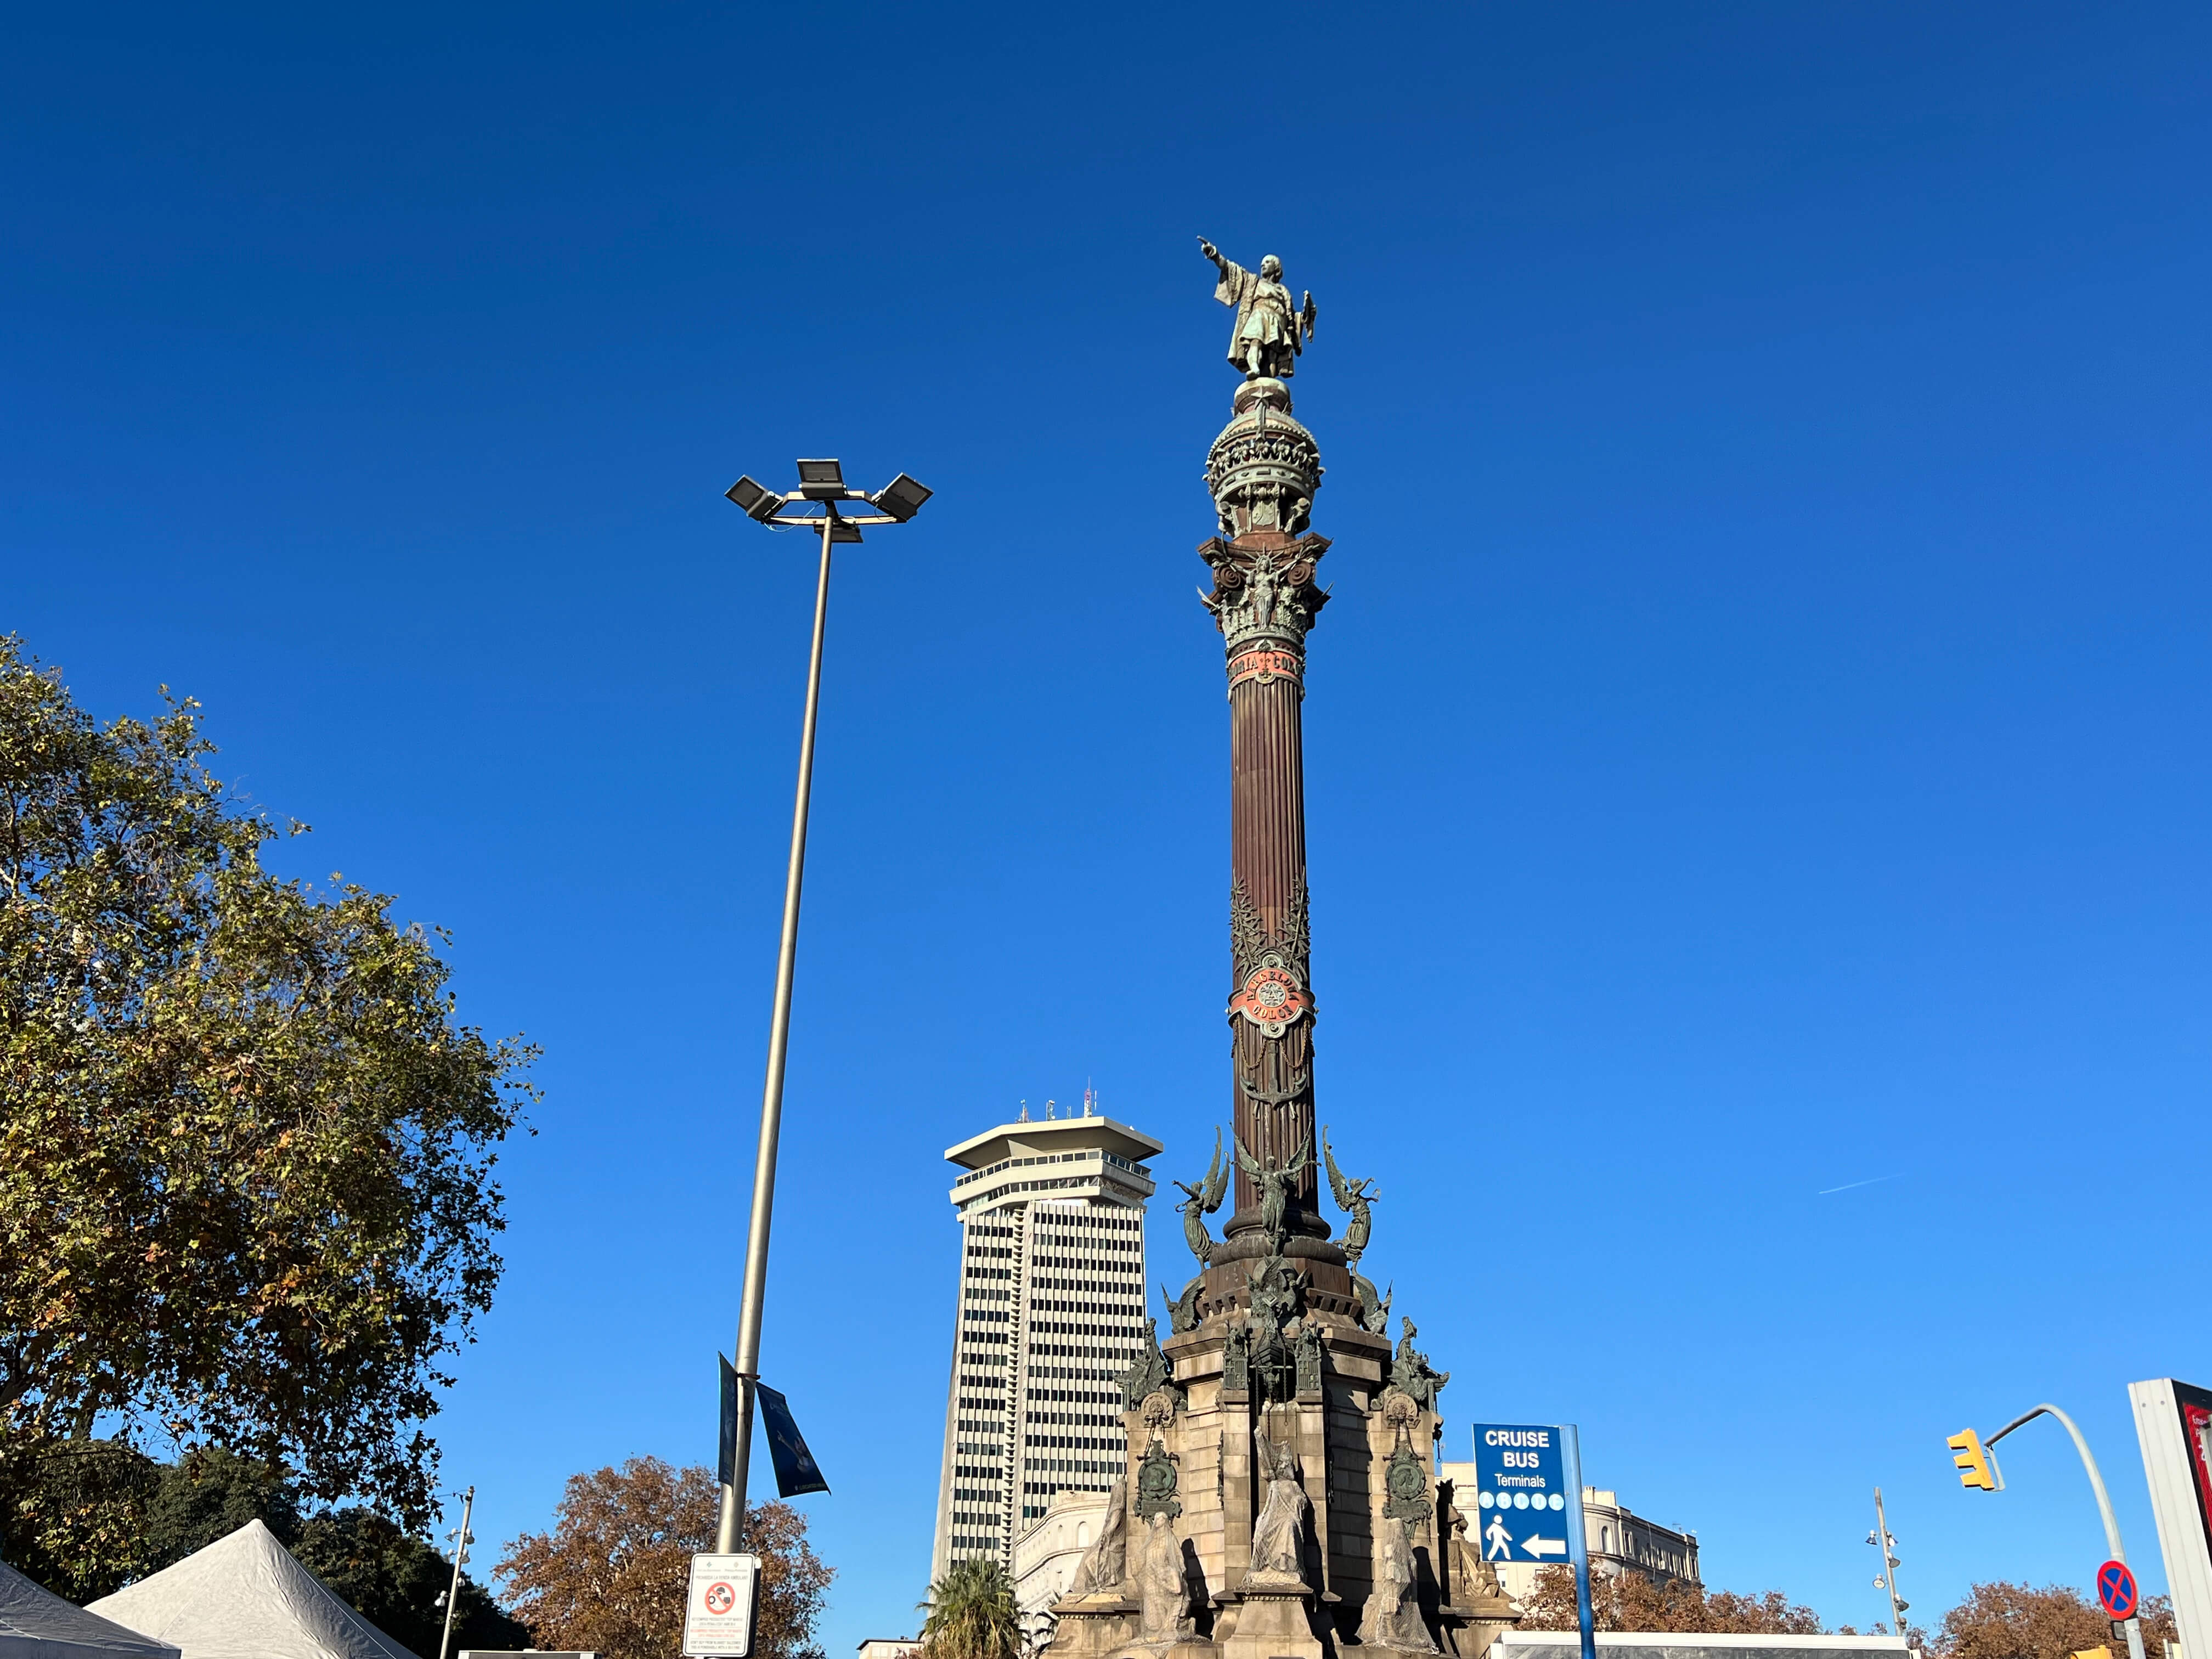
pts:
[1119, 1163]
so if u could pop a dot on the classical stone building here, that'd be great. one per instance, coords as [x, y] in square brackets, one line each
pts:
[1279, 1497]
[1622, 1541]
[1047, 1552]
[1619, 1539]
[1050, 1310]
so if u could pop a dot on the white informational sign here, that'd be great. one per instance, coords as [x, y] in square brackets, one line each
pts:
[718, 1606]
[2173, 1425]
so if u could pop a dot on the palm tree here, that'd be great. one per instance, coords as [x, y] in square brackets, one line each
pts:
[971, 1613]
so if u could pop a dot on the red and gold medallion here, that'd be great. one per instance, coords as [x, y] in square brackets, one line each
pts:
[1271, 998]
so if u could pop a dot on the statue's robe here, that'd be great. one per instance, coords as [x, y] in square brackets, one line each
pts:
[1263, 314]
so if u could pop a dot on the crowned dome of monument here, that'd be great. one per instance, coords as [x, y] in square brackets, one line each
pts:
[1264, 468]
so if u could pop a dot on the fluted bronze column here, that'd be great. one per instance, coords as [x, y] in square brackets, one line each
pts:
[1264, 469]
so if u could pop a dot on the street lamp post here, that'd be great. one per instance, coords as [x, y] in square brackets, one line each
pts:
[1887, 1578]
[2096, 1486]
[821, 484]
[462, 1539]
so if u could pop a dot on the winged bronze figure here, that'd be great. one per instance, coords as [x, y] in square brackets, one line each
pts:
[1201, 1200]
[1352, 1197]
[1274, 1184]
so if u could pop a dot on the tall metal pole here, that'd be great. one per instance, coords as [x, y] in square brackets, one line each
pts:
[460, 1554]
[1571, 1467]
[1888, 1567]
[727, 1533]
[2104, 1502]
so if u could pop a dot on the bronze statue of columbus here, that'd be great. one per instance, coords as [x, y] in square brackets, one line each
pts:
[1267, 336]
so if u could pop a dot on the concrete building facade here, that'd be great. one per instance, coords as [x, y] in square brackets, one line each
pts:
[1051, 1309]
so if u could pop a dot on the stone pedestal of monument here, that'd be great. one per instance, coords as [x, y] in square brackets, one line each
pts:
[1279, 1425]
[1094, 1626]
[1270, 1621]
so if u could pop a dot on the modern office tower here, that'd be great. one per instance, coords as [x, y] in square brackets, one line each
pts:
[1051, 1310]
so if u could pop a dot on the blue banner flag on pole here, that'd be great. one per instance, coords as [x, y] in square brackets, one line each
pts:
[796, 1471]
[727, 1468]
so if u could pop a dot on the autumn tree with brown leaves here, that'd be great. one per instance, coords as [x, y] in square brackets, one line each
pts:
[610, 1577]
[1995, 1620]
[2017, 1621]
[1629, 1600]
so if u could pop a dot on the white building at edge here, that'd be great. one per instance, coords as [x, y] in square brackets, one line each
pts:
[1050, 1310]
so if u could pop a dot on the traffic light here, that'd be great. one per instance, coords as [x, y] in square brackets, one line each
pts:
[1973, 1460]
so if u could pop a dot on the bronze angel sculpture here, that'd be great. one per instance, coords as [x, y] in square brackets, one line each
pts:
[1202, 1200]
[1274, 1183]
[1352, 1197]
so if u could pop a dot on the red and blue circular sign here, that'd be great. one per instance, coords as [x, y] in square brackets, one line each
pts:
[2116, 1589]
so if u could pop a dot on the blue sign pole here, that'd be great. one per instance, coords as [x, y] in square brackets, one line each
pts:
[1571, 1453]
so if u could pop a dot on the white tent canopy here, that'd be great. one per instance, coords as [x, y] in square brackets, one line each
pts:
[36, 1624]
[245, 1597]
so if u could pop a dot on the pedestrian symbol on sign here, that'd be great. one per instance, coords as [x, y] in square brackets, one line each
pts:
[1500, 1540]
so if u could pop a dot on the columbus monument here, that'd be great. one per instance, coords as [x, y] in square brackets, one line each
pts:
[1278, 1499]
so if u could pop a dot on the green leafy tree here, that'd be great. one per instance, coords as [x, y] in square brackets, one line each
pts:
[75, 1514]
[245, 1148]
[108, 1513]
[609, 1577]
[398, 1582]
[209, 1493]
[969, 1614]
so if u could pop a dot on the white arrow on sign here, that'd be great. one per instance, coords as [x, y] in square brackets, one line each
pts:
[1545, 1546]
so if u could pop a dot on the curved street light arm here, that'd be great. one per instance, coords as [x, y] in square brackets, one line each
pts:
[2103, 1500]
[2096, 1480]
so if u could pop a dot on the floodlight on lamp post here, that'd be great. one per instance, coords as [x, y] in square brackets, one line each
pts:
[821, 485]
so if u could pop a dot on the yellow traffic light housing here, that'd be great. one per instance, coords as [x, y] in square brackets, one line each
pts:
[1975, 1468]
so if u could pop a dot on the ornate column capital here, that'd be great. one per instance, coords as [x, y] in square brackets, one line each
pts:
[1264, 595]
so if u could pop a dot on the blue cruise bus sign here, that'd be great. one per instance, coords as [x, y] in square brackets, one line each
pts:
[1522, 1492]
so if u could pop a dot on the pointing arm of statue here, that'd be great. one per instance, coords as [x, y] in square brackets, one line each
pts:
[1225, 266]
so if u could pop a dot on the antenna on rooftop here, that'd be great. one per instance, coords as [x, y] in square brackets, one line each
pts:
[1090, 1098]
[1024, 1117]
[1049, 1110]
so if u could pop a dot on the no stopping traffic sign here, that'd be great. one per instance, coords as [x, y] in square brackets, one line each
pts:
[2116, 1589]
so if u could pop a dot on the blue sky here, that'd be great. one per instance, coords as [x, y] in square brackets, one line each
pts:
[1756, 745]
